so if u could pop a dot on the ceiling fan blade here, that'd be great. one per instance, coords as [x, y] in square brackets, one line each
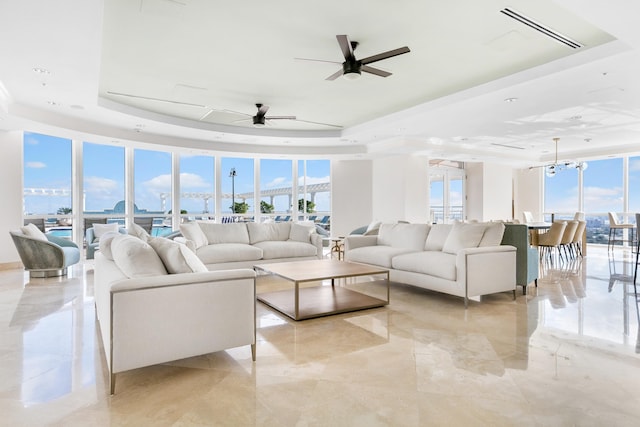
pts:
[262, 109]
[345, 46]
[335, 75]
[317, 60]
[385, 55]
[149, 98]
[281, 118]
[318, 123]
[241, 120]
[376, 71]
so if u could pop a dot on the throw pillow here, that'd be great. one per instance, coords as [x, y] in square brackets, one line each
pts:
[463, 236]
[437, 237]
[301, 233]
[32, 230]
[101, 229]
[136, 231]
[192, 231]
[105, 244]
[136, 258]
[176, 257]
[492, 234]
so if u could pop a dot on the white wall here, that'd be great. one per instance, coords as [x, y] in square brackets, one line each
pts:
[528, 192]
[401, 189]
[11, 195]
[351, 197]
[489, 191]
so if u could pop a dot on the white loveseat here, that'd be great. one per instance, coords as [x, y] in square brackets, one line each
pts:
[242, 245]
[156, 302]
[465, 260]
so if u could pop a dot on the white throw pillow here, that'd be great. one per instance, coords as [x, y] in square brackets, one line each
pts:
[301, 233]
[136, 231]
[492, 234]
[192, 231]
[463, 236]
[373, 226]
[135, 257]
[100, 230]
[437, 237]
[105, 244]
[225, 233]
[176, 257]
[272, 231]
[32, 230]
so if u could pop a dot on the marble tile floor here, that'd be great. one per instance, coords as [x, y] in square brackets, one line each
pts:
[566, 354]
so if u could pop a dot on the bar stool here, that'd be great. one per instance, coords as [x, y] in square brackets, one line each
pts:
[614, 226]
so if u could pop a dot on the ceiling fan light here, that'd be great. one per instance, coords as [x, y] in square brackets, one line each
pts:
[351, 75]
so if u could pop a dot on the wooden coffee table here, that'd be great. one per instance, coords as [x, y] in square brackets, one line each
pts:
[307, 302]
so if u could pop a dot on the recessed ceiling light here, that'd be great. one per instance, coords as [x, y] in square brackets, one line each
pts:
[52, 103]
[41, 70]
[575, 117]
[587, 140]
[510, 99]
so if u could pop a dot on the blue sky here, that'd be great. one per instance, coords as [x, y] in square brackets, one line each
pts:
[48, 165]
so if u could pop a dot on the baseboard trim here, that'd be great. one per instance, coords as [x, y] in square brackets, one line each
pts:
[10, 266]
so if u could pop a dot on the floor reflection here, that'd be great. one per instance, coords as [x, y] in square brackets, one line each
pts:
[568, 353]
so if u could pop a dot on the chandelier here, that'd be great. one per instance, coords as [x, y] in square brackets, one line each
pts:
[551, 169]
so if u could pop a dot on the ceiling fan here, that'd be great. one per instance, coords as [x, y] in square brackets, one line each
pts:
[352, 67]
[261, 118]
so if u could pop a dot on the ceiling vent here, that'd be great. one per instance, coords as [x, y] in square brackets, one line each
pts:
[541, 28]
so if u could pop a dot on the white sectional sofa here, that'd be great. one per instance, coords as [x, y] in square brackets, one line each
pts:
[465, 260]
[242, 245]
[156, 302]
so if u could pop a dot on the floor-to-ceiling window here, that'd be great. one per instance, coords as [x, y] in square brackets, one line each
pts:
[237, 198]
[197, 187]
[47, 173]
[634, 186]
[446, 192]
[276, 188]
[152, 188]
[103, 181]
[314, 191]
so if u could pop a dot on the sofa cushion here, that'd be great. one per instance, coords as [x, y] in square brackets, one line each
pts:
[135, 257]
[228, 252]
[225, 233]
[409, 236]
[105, 244]
[375, 255]
[288, 249]
[268, 231]
[176, 257]
[492, 234]
[437, 236]
[301, 233]
[100, 230]
[434, 263]
[139, 232]
[463, 236]
[192, 231]
[32, 230]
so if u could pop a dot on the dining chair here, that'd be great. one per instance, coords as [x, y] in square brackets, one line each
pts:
[614, 226]
[550, 240]
[528, 217]
[576, 244]
[567, 238]
[635, 271]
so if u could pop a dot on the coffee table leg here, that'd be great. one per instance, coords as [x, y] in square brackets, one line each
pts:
[297, 303]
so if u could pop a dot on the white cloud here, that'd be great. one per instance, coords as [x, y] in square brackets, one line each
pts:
[634, 165]
[160, 183]
[96, 184]
[277, 182]
[598, 199]
[31, 141]
[36, 165]
[190, 180]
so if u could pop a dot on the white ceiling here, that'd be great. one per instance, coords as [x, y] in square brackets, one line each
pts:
[190, 62]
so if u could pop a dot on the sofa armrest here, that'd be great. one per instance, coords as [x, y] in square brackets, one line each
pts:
[487, 270]
[316, 240]
[181, 279]
[358, 241]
